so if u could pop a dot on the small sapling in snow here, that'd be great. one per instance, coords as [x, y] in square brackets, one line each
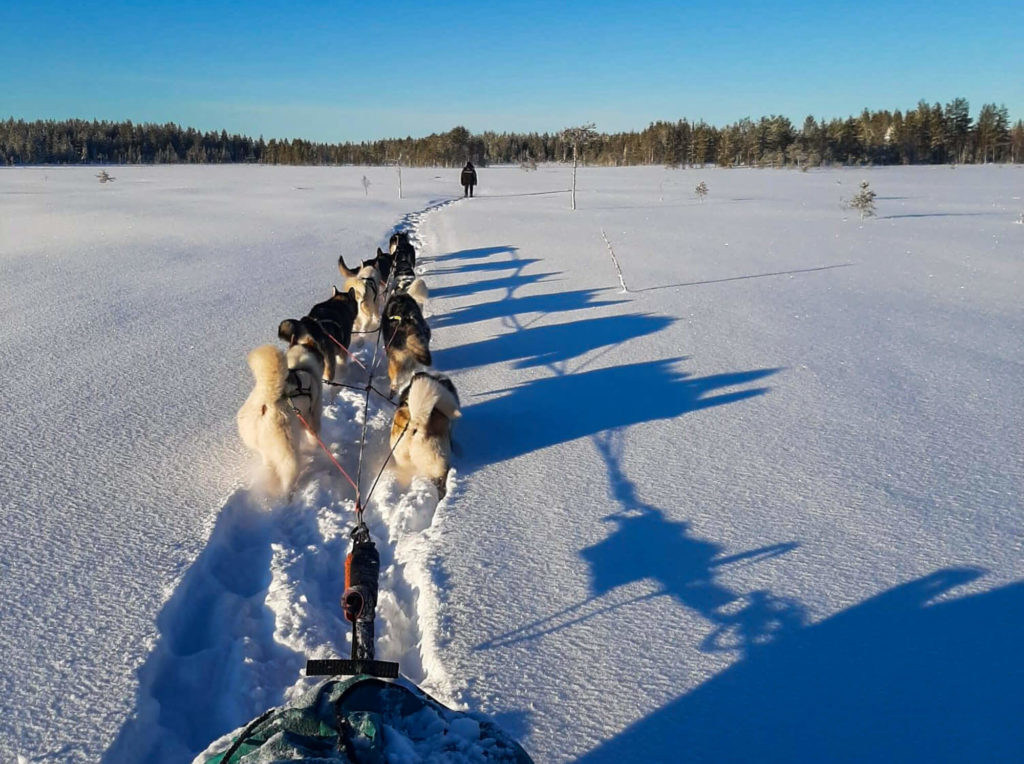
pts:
[864, 201]
[701, 191]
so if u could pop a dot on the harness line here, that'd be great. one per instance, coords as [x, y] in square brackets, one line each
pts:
[327, 451]
[366, 406]
[347, 351]
[360, 507]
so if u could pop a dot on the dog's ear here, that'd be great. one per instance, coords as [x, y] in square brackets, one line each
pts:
[352, 293]
[334, 291]
[379, 251]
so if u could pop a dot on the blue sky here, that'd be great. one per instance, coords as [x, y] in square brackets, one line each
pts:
[337, 71]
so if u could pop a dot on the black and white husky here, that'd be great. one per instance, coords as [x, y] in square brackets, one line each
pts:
[287, 385]
[308, 332]
[404, 261]
[406, 336]
[421, 433]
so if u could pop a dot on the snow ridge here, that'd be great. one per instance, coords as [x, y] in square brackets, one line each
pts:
[264, 595]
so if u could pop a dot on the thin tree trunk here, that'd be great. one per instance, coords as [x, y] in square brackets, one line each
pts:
[574, 176]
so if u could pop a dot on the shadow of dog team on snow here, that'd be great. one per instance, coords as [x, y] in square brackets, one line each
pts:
[280, 420]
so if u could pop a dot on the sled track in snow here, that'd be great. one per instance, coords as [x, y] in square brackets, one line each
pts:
[264, 594]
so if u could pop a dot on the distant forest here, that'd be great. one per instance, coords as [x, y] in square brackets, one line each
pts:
[928, 134]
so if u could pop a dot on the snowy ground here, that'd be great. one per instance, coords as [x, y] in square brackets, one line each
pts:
[764, 505]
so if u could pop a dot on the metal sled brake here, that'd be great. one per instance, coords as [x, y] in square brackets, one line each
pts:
[362, 719]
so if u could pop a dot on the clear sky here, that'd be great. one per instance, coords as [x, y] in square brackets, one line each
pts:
[338, 71]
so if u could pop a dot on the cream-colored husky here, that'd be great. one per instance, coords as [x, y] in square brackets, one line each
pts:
[367, 285]
[421, 434]
[267, 421]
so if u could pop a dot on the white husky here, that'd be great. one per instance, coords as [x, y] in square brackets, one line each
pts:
[267, 421]
[421, 431]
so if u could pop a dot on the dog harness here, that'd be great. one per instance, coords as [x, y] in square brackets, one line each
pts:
[293, 387]
[371, 284]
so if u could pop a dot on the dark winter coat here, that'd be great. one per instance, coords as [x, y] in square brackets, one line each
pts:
[469, 175]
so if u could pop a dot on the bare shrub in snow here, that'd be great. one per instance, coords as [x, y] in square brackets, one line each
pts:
[701, 191]
[366, 186]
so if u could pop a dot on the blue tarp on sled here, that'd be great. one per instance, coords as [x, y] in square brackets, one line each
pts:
[363, 720]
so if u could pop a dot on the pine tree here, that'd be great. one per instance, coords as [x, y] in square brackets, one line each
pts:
[864, 201]
[577, 137]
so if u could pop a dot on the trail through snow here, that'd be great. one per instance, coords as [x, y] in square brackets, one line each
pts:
[265, 593]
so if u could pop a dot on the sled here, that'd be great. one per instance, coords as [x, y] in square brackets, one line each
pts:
[363, 719]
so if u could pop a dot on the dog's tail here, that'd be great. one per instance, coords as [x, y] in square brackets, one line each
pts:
[427, 393]
[345, 270]
[418, 291]
[416, 345]
[270, 369]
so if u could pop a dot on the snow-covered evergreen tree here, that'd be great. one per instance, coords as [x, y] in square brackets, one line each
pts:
[864, 201]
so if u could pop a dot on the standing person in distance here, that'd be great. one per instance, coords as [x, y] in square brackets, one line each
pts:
[468, 179]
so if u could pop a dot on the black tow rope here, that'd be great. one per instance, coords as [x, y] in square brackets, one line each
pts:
[362, 566]
[359, 603]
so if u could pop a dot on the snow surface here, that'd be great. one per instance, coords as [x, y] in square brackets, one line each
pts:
[763, 505]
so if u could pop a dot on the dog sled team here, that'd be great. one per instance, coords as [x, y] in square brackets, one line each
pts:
[383, 297]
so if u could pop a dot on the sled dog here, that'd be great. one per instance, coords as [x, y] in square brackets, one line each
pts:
[382, 262]
[336, 317]
[406, 337]
[417, 289]
[366, 287]
[404, 265]
[307, 332]
[286, 385]
[422, 427]
[399, 239]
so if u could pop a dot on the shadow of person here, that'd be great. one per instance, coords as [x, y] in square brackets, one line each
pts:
[899, 677]
[647, 545]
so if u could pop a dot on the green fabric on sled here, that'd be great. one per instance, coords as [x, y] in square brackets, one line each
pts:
[363, 720]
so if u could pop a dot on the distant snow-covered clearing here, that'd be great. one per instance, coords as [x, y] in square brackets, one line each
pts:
[763, 504]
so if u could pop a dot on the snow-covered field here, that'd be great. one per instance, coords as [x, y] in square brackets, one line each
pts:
[765, 505]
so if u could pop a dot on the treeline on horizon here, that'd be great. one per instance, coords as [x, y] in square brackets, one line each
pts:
[928, 134]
